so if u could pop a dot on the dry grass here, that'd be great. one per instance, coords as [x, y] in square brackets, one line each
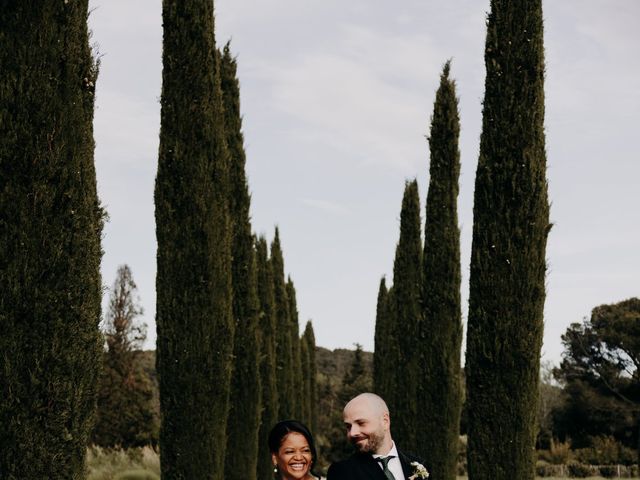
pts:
[118, 464]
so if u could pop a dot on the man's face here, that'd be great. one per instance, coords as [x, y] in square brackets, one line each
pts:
[366, 428]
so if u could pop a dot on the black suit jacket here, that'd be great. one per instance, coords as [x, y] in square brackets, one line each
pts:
[362, 466]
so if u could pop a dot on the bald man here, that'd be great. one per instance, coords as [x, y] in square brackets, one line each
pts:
[366, 418]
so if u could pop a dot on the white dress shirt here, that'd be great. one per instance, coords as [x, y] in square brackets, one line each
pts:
[394, 464]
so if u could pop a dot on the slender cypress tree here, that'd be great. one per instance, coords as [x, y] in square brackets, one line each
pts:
[193, 284]
[298, 386]
[511, 223]
[267, 335]
[309, 338]
[440, 395]
[50, 227]
[244, 410]
[284, 347]
[305, 396]
[381, 342]
[404, 330]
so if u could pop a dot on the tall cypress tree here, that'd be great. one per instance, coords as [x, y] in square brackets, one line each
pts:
[381, 342]
[440, 397]
[309, 338]
[50, 227]
[244, 410]
[298, 386]
[284, 347]
[404, 329]
[305, 396]
[511, 223]
[267, 335]
[193, 284]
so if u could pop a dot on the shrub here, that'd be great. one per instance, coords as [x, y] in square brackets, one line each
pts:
[578, 470]
[609, 471]
[606, 450]
[462, 456]
[559, 452]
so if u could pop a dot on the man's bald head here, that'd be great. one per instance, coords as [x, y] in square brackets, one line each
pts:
[366, 418]
[372, 401]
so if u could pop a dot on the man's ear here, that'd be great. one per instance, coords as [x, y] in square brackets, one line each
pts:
[386, 420]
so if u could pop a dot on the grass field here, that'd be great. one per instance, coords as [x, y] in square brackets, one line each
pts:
[117, 464]
[144, 464]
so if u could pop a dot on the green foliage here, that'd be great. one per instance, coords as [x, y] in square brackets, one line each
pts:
[125, 416]
[579, 470]
[298, 388]
[50, 228]
[357, 379]
[599, 372]
[244, 410]
[310, 377]
[193, 284]
[440, 332]
[606, 450]
[267, 336]
[508, 265]
[333, 366]
[404, 328]
[284, 341]
[381, 378]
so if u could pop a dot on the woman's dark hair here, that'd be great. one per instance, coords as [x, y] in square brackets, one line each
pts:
[284, 428]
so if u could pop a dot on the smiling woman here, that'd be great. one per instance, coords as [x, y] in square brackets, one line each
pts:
[293, 451]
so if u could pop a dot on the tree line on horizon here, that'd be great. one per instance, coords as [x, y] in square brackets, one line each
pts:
[227, 317]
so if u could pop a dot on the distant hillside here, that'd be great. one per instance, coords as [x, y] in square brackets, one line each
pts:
[332, 366]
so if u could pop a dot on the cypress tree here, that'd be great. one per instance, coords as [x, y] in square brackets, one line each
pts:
[267, 335]
[311, 387]
[511, 223]
[381, 342]
[284, 347]
[50, 228]
[440, 395]
[305, 395]
[404, 330]
[244, 410]
[298, 386]
[193, 283]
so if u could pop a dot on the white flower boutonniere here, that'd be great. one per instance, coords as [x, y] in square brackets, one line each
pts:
[419, 471]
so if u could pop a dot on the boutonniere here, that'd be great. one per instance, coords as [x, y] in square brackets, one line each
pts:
[419, 471]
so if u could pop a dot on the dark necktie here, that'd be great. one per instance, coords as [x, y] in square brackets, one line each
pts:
[385, 467]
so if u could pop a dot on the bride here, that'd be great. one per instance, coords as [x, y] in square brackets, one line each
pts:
[293, 451]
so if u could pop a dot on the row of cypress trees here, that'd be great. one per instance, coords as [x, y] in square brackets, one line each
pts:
[418, 327]
[217, 309]
[230, 358]
[418, 321]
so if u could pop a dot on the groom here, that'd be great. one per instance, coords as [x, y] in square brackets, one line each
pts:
[368, 424]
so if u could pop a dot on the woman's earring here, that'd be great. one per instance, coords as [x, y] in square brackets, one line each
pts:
[275, 468]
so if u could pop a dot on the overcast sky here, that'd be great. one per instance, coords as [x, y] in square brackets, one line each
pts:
[336, 97]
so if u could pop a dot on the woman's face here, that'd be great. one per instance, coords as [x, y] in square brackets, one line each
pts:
[294, 457]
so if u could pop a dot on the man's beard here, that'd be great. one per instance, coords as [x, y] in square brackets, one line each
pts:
[374, 440]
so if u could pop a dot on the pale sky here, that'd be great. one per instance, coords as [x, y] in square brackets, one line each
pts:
[336, 98]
